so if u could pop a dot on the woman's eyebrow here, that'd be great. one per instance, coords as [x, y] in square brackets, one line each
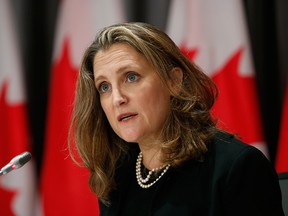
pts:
[96, 79]
[119, 70]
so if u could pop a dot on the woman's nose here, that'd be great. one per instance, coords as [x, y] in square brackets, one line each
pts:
[119, 97]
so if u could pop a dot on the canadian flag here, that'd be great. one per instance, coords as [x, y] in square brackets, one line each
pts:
[64, 185]
[213, 34]
[282, 152]
[18, 188]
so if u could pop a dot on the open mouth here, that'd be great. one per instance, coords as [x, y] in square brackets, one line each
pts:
[126, 117]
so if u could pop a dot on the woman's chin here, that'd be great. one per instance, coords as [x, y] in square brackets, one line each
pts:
[129, 134]
[130, 137]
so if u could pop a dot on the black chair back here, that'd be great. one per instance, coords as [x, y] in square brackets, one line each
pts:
[283, 181]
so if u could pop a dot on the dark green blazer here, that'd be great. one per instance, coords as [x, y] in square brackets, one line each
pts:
[234, 179]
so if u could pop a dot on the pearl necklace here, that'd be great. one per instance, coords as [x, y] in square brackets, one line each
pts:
[143, 182]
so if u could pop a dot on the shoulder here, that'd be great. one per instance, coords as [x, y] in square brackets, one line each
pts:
[228, 154]
[242, 169]
[228, 147]
[237, 163]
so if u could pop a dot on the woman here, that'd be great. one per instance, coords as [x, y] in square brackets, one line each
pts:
[143, 128]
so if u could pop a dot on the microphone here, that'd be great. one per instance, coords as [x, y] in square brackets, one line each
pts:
[17, 162]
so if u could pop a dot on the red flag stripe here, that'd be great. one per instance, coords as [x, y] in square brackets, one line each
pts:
[17, 188]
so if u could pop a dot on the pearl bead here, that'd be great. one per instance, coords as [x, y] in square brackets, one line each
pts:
[142, 182]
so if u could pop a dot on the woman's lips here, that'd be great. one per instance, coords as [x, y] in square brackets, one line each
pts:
[126, 116]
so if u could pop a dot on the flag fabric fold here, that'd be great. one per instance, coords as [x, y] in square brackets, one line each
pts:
[64, 185]
[282, 151]
[17, 188]
[213, 34]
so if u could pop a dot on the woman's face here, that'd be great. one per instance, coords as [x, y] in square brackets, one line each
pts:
[132, 95]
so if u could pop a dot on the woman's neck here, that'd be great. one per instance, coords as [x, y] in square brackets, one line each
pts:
[152, 156]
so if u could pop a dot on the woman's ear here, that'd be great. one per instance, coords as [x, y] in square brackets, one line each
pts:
[175, 84]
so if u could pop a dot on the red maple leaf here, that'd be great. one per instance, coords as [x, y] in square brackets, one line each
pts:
[59, 171]
[60, 99]
[13, 127]
[13, 139]
[237, 105]
[6, 198]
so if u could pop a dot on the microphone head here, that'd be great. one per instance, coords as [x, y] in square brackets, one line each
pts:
[24, 158]
[16, 163]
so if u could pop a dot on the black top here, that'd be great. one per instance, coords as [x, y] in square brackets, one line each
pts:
[138, 200]
[234, 179]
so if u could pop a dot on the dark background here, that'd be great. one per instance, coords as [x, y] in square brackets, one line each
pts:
[268, 28]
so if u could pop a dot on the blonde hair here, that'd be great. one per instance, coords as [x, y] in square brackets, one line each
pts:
[187, 130]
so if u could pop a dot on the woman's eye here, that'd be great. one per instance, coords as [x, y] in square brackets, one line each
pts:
[104, 87]
[132, 77]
